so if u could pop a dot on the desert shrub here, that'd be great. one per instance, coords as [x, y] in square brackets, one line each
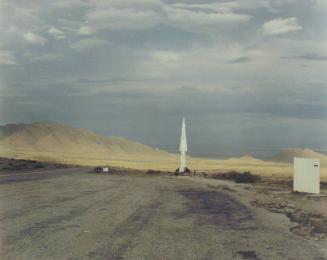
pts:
[246, 177]
[153, 172]
[8, 168]
[157, 172]
[201, 174]
[238, 177]
[231, 175]
[97, 169]
[39, 166]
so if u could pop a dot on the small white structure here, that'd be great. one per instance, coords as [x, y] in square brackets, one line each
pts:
[105, 169]
[183, 148]
[306, 175]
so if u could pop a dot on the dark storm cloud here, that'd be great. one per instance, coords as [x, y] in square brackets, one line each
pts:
[138, 103]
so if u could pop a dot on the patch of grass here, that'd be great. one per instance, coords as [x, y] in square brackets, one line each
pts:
[156, 172]
[247, 177]
[97, 169]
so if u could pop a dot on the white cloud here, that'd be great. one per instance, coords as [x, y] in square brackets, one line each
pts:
[23, 15]
[86, 30]
[320, 4]
[47, 57]
[143, 14]
[89, 43]
[7, 58]
[230, 5]
[17, 18]
[122, 19]
[68, 3]
[186, 18]
[218, 7]
[205, 64]
[34, 38]
[128, 4]
[281, 26]
[56, 33]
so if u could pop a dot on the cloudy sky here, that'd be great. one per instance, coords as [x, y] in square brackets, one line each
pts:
[250, 76]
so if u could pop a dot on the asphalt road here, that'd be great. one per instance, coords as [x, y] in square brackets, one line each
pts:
[72, 214]
[10, 177]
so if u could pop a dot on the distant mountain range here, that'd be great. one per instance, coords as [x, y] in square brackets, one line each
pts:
[288, 155]
[62, 143]
[59, 139]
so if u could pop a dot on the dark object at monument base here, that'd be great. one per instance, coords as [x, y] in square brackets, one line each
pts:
[185, 173]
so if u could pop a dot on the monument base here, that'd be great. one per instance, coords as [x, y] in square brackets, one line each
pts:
[186, 172]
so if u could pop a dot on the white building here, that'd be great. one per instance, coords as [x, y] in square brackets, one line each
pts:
[306, 175]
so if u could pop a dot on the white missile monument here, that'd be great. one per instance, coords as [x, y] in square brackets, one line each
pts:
[183, 149]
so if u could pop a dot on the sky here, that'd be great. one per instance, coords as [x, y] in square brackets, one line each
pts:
[249, 76]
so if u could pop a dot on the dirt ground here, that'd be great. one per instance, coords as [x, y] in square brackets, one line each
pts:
[307, 212]
[88, 216]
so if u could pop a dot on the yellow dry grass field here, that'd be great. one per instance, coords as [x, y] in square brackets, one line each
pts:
[168, 162]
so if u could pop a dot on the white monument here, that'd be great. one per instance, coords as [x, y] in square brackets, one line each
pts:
[183, 148]
[306, 175]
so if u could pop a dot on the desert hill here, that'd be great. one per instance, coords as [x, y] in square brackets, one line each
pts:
[58, 143]
[244, 159]
[288, 155]
[59, 139]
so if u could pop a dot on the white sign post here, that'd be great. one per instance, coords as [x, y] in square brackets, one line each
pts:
[306, 175]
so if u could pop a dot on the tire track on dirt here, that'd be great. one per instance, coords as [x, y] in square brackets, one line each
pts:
[127, 230]
[49, 204]
[216, 208]
[38, 228]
